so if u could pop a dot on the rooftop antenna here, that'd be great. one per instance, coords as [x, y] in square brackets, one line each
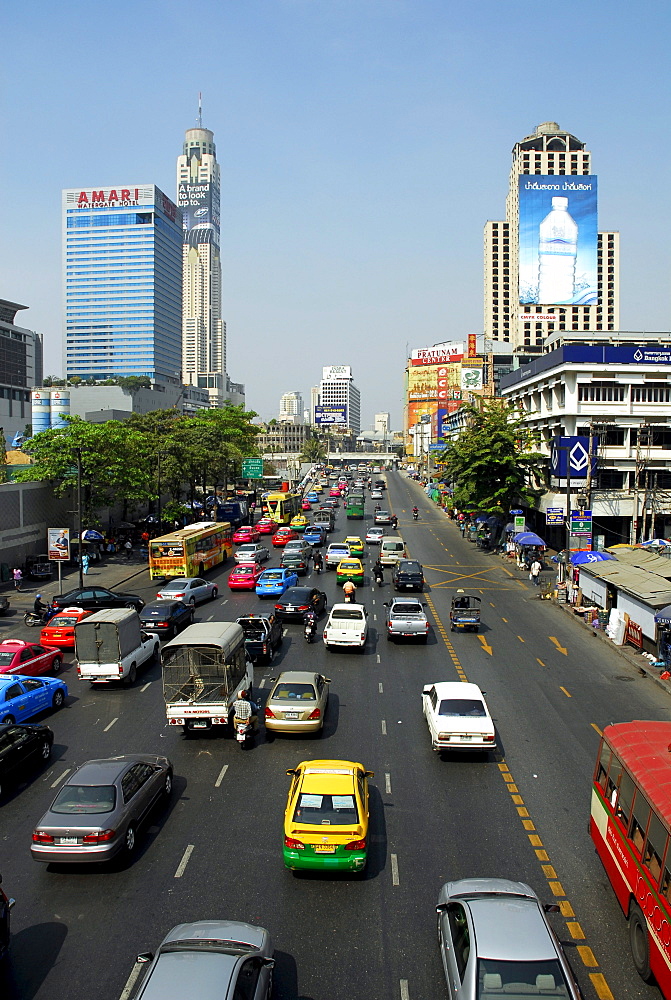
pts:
[200, 109]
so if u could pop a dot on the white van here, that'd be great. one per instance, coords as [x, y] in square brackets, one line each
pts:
[392, 549]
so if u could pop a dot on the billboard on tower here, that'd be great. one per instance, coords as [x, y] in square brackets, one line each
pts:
[558, 239]
[200, 213]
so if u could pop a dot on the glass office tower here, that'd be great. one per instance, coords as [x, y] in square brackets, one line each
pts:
[122, 278]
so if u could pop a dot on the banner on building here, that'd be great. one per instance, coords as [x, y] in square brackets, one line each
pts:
[471, 379]
[572, 453]
[439, 354]
[472, 345]
[200, 213]
[558, 239]
[331, 414]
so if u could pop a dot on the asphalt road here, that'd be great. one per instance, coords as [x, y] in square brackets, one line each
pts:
[216, 850]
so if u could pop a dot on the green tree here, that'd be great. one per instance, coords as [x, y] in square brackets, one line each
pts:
[492, 465]
[313, 451]
[75, 380]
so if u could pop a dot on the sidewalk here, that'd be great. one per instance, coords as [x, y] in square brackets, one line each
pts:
[627, 653]
[113, 572]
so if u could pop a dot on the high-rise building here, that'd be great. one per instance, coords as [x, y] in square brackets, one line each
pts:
[339, 399]
[546, 267]
[314, 403]
[203, 330]
[291, 407]
[122, 283]
[382, 423]
[20, 368]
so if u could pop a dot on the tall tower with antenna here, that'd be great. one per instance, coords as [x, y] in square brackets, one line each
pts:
[203, 330]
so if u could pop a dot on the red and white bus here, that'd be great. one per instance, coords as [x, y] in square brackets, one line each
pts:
[630, 824]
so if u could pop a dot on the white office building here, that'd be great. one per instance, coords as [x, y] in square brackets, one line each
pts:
[512, 311]
[339, 400]
[291, 407]
[382, 423]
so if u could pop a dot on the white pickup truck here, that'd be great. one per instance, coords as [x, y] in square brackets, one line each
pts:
[347, 626]
[111, 646]
[406, 619]
[336, 552]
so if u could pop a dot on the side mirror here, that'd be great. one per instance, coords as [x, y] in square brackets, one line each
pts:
[551, 908]
[369, 774]
[441, 907]
[146, 956]
[272, 679]
[427, 688]
[292, 771]
[269, 963]
[327, 680]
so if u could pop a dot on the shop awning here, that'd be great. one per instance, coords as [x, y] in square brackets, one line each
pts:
[648, 587]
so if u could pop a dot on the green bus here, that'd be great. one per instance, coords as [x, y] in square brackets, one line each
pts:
[355, 506]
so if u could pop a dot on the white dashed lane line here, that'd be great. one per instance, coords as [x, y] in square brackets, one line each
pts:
[405, 992]
[387, 783]
[110, 724]
[220, 776]
[384, 727]
[130, 982]
[184, 862]
[60, 777]
[394, 869]
[145, 686]
[379, 687]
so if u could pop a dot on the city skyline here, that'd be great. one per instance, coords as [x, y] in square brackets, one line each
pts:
[360, 158]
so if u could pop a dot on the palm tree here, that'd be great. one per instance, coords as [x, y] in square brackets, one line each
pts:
[313, 451]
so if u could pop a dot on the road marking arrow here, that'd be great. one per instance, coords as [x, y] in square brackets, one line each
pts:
[485, 645]
[555, 642]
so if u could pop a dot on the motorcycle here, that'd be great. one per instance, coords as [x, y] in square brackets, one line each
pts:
[318, 565]
[349, 596]
[310, 630]
[244, 731]
[32, 619]
[379, 578]
[415, 515]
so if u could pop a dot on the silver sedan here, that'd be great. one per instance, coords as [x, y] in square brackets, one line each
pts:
[189, 589]
[495, 941]
[251, 552]
[210, 959]
[98, 810]
[297, 702]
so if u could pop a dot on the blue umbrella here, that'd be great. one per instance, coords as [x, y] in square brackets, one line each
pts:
[481, 517]
[91, 535]
[528, 538]
[663, 617]
[582, 558]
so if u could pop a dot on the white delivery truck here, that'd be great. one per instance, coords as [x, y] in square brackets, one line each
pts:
[111, 646]
[204, 669]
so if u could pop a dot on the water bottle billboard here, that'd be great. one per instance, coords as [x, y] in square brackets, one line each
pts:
[558, 239]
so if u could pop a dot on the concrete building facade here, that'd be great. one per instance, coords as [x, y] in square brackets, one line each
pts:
[337, 391]
[20, 368]
[549, 151]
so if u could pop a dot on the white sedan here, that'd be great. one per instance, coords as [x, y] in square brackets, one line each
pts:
[376, 494]
[189, 589]
[458, 717]
[374, 536]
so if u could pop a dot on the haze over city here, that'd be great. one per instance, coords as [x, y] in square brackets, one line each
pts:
[363, 145]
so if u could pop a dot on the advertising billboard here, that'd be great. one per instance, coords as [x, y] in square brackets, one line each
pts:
[471, 379]
[58, 544]
[331, 414]
[330, 372]
[423, 383]
[440, 354]
[558, 239]
[574, 452]
[200, 213]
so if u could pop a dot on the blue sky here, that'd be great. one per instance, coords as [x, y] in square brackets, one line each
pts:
[363, 145]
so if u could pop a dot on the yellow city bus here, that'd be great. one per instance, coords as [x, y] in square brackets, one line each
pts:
[282, 506]
[190, 551]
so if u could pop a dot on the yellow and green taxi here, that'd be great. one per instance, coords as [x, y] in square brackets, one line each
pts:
[299, 522]
[355, 545]
[349, 569]
[326, 818]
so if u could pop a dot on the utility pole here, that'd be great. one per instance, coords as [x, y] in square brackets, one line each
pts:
[80, 529]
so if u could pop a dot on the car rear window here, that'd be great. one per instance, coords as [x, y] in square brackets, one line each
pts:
[406, 609]
[6, 657]
[409, 567]
[326, 810]
[457, 707]
[293, 692]
[77, 799]
[245, 571]
[278, 575]
[59, 621]
[352, 614]
[520, 979]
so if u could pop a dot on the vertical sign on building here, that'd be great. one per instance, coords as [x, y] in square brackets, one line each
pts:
[472, 346]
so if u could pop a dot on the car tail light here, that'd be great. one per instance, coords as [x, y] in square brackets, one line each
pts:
[324, 635]
[427, 626]
[293, 845]
[180, 595]
[120, 668]
[489, 739]
[265, 647]
[40, 837]
[363, 636]
[356, 845]
[304, 607]
[317, 714]
[279, 607]
[162, 624]
[99, 838]
[269, 714]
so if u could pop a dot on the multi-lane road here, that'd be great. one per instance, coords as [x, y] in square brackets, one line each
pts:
[216, 850]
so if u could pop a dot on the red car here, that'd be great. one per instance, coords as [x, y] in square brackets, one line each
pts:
[266, 526]
[335, 492]
[60, 630]
[306, 505]
[245, 576]
[284, 535]
[19, 657]
[246, 534]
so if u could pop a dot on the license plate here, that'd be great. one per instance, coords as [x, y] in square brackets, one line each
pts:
[68, 841]
[324, 848]
[409, 586]
[199, 724]
[291, 715]
[465, 738]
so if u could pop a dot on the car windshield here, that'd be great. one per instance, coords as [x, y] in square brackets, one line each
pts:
[278, 575]
[6, 657]
[296, 595]
[245, 571]
[456, 707]
[293, 692]
[519, 980]
[326, 810]
[406, 609]
[85, 799]
[59, 621]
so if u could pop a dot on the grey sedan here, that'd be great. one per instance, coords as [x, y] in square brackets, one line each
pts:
[211, 960]
[99, 809]
[495, 941]
[251, 552]
[297, 702]
[189, 589]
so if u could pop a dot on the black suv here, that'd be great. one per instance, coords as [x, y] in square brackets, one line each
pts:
[407, 574]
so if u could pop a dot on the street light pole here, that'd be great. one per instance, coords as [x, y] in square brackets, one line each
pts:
[80, 529]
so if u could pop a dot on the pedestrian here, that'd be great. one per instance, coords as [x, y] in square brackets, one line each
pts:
[85, 563]
[128, 546]
[18, 577]
[534, 572]
[145, 536]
